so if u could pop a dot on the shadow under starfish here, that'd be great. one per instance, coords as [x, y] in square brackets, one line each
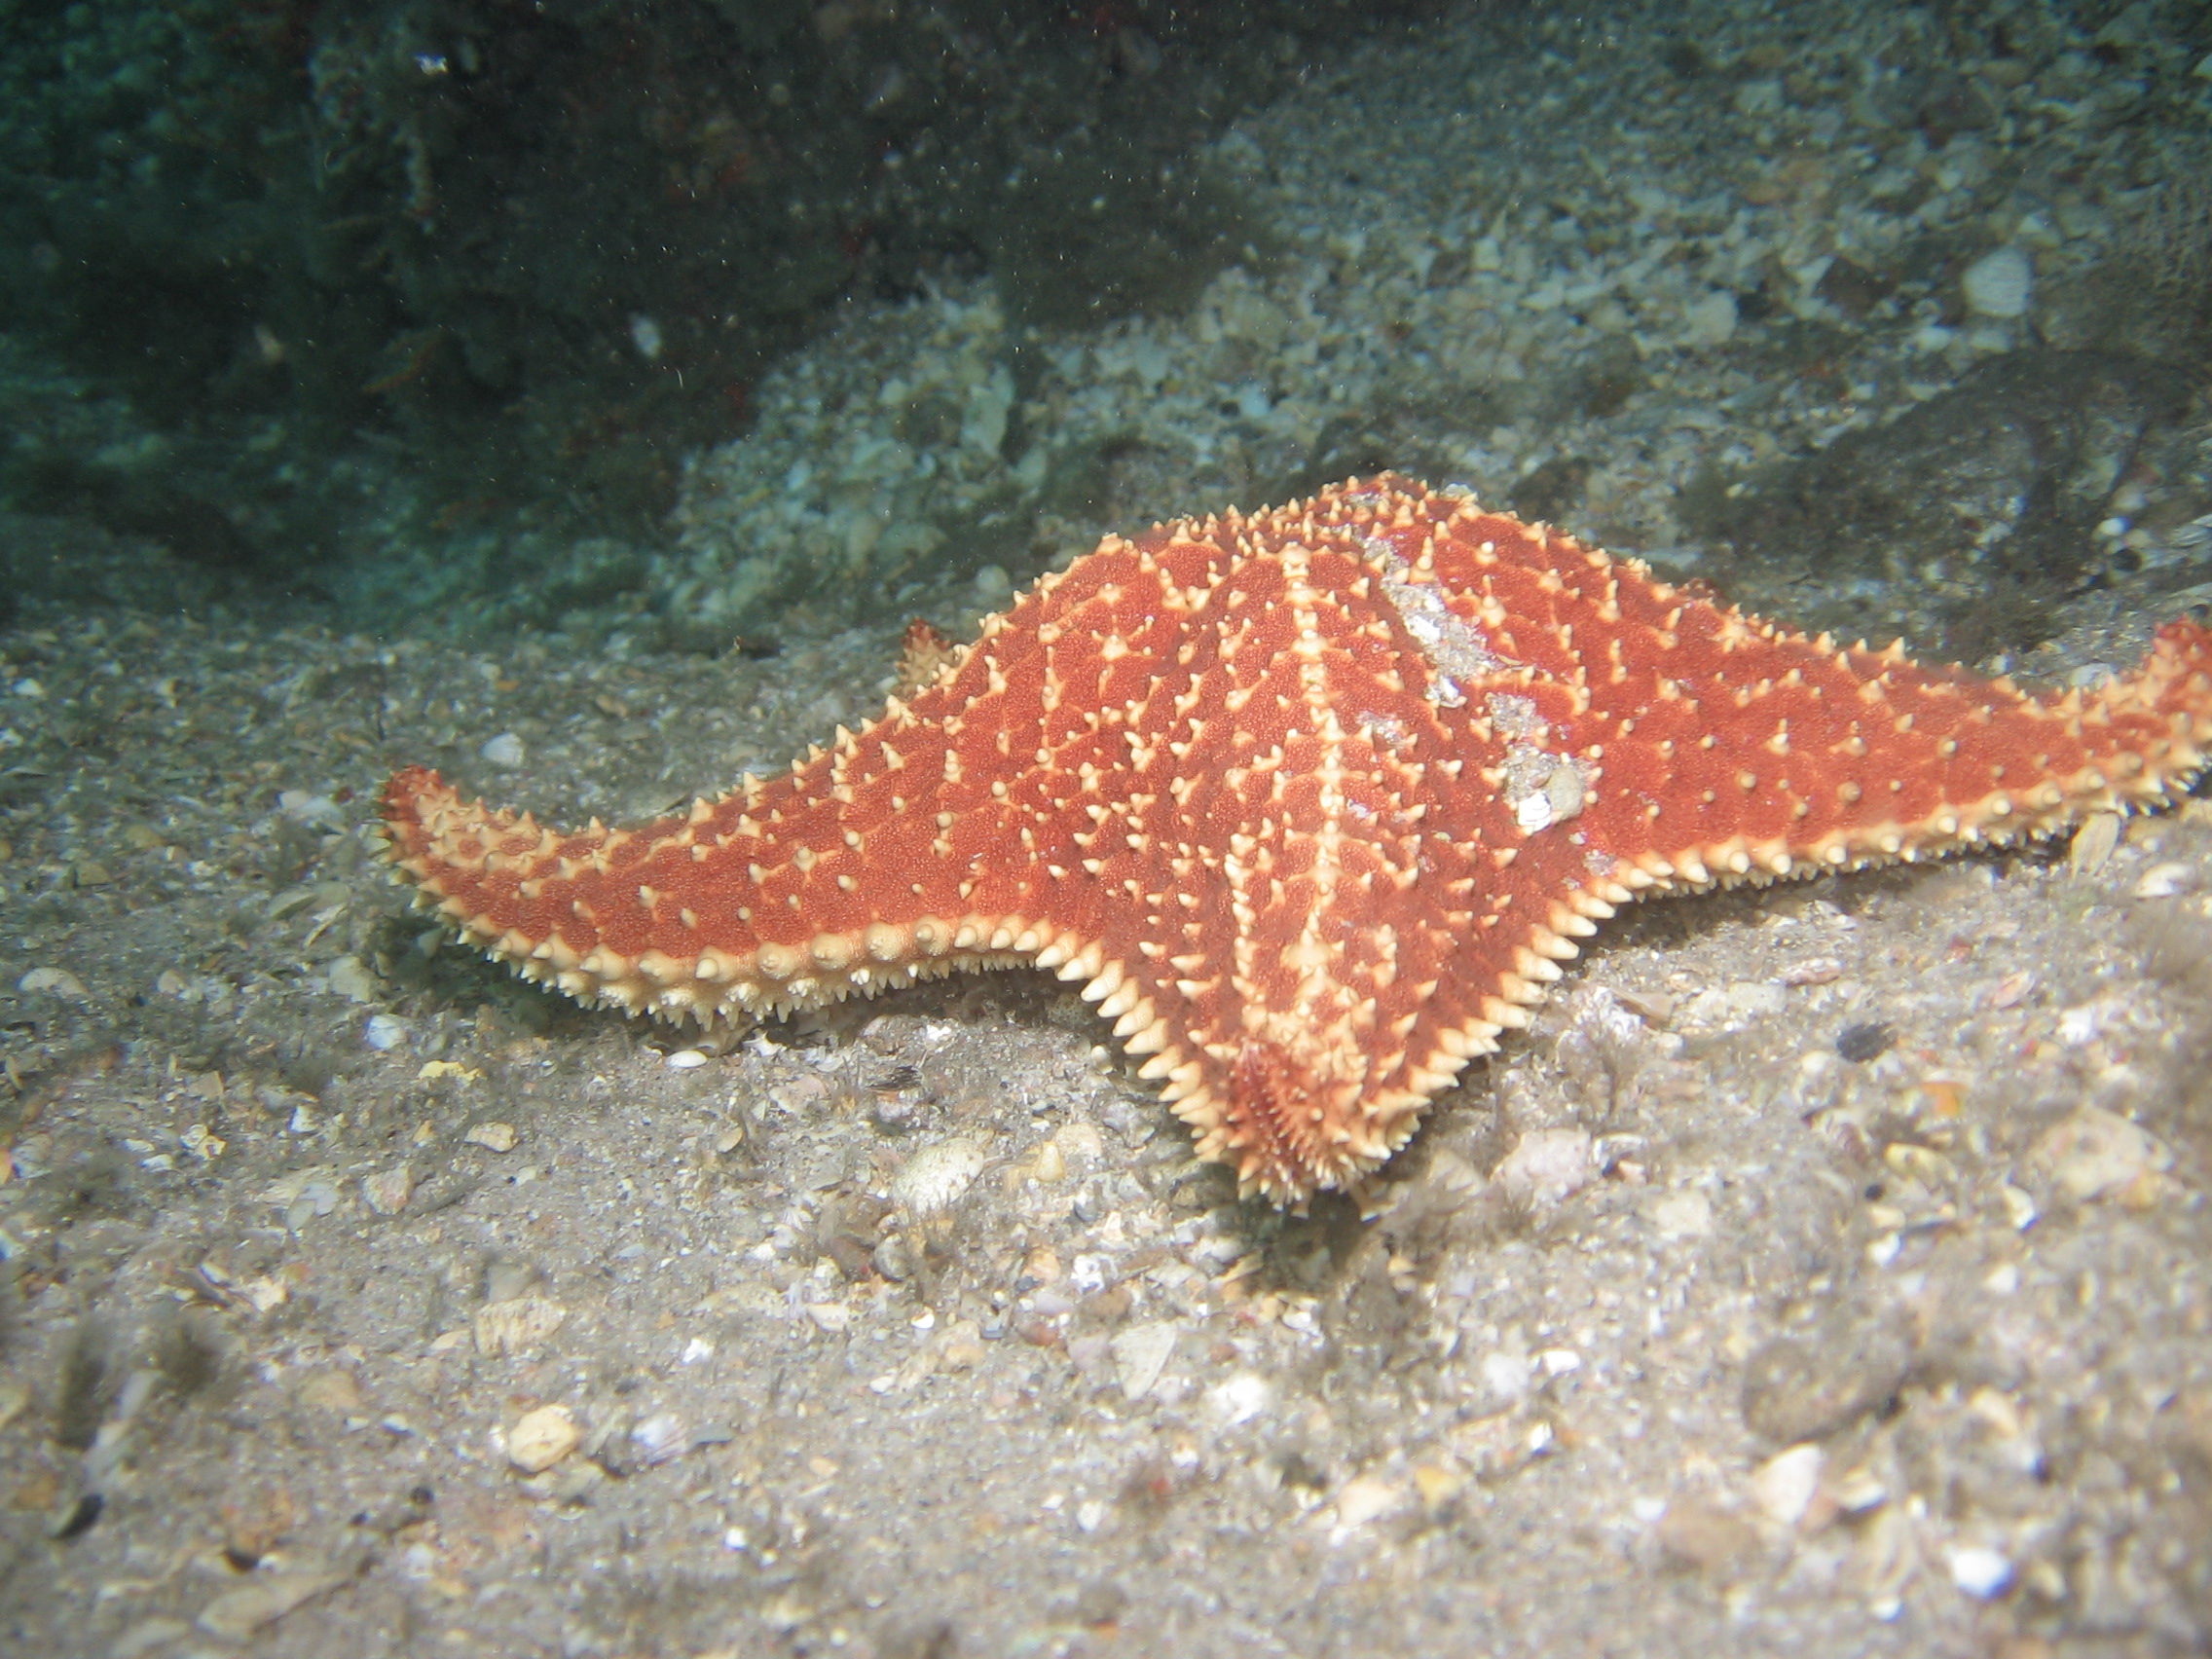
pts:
[1312, 801]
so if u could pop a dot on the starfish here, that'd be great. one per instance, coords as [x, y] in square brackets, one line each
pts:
[1313, 802]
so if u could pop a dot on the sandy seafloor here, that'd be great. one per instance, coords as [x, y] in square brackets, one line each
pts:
[1829, 1271]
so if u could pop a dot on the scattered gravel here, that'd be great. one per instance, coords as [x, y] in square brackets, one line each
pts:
[1828, 1272]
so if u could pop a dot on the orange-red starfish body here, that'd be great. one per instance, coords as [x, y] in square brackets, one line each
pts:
[1312, 803]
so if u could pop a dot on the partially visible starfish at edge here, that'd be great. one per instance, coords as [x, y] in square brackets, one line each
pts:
[1313, 802]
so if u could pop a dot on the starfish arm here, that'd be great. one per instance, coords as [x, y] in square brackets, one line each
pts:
[949, 834]
[705, 914]
[898, 853]
[1721, 747]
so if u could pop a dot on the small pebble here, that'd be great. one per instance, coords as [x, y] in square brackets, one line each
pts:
[388, 1190]
[2166, 880]
[517, 1327]
[353, 979]
[541, 1438]
[1808, 1384]
[891, 1259]
[1241, 1399]
[1687, 1214]
[506, 750]
[263, 1600]
[2095, 1154]
[1697, 1532]
[1783, 1487]
[1140, 1355]
[1982, 1573]
[1548, 1165]
[1997, 285]
[1864, 1041]
[1709, 320]
[935, 1176]
[383, 1033]
[1737, 1003]
[54, 981]
[333, 1391]
[1363, 1499]
[687, 1059]
[493, 1136]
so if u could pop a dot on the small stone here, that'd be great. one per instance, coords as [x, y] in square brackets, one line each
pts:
[541, 1438]
[1997, 285]
[1709, 320]
[332, 1389]
[492, 1136]
[891, 1259]
[1241, 1399]
[1982, 1573]
[992, 585]
[54, 981]
[1860, 1492]
[1783, 1487]
[935, 1177]
[1548, 1165]
[1864, 1040]
[1737, 1003]
[1438, 1486]
[961, 1347]
[303, 1193]
[573, 1482]
[1700, 1533]
[508, 1278]
[1813, 971]
[2167, 880]
[1363, 1499]
[1687, 1214]
[388, 1190]
[265, 1598]
[1806, 1386]
[506, 751]
[686, 1060]
[15, 1395]
[1140, 1355]
[2095, 1154]
[352, 978]
[1081, 1147]
[517, 1327]
[383, 1033]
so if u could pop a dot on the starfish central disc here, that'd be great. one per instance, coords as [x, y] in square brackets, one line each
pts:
[1313, 802]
